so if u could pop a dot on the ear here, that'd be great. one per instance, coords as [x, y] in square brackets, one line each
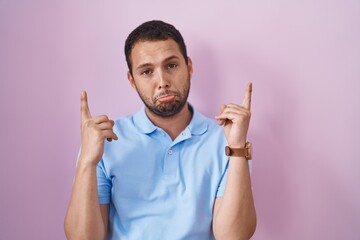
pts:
[190, 67]
[131, 79]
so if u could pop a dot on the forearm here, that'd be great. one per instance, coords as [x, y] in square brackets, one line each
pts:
[235, 217]
[83, 219]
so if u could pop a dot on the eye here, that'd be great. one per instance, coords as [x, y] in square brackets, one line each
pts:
[172, 65]
[146, 72]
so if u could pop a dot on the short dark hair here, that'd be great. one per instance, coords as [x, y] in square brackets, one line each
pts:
[154, 30]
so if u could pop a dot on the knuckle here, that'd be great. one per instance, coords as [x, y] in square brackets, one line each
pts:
[86, 123]
[101, 118]
[98, 134]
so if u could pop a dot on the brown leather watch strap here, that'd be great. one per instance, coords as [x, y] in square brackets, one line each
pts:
[239, 152]
[236, 152]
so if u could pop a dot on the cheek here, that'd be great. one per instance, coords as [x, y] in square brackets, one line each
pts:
[146, 91]
[185, 81]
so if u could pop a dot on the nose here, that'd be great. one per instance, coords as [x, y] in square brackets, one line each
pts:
[164, 83]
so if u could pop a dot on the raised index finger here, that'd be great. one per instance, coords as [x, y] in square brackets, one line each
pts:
[85, 112]
[247, 99]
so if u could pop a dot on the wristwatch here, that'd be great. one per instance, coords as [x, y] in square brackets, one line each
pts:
[239, 152]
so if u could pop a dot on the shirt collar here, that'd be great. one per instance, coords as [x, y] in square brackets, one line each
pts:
[197, 126]
[143, 123]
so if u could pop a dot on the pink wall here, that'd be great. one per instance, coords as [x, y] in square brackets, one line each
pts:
[302, 56]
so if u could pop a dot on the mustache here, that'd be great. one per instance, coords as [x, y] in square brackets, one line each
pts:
[166, 92]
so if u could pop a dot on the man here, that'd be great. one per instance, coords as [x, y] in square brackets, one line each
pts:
[163, 172]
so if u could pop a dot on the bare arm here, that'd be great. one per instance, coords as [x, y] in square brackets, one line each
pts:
[85, 217]
[234, 213]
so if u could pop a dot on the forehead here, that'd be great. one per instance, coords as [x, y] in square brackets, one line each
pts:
[154, 51]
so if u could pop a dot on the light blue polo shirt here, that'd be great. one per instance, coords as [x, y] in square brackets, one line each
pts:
[158, 188]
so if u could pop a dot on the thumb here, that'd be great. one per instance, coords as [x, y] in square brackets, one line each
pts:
[85, 112]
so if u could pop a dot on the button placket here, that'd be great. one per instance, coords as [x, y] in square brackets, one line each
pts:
[171, 162]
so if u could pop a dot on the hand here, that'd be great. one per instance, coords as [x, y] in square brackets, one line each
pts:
[236, 120]
[93, 133]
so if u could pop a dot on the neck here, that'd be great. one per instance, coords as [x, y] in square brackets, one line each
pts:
[173, 125]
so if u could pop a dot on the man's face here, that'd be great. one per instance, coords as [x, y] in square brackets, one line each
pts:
[160, 76]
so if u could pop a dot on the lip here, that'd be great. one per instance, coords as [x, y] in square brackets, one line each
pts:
[166, 98]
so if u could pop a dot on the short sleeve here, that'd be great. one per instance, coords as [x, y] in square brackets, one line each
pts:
[104, 184]
[221, 188]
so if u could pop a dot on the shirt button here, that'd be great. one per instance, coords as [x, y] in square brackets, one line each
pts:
[170, 151]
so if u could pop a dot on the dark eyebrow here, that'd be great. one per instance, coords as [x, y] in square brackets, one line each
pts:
[144, 65]
[165, 60]
[171, 58]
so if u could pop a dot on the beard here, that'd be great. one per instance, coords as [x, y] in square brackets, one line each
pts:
[166, 110]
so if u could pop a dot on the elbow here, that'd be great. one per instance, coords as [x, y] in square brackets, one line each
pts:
[244, 234]
[67, 227]
[235, 231]
[74, 231]
[70, 230]
[251, 227]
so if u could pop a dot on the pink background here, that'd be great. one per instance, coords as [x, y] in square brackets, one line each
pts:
[302, 56]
